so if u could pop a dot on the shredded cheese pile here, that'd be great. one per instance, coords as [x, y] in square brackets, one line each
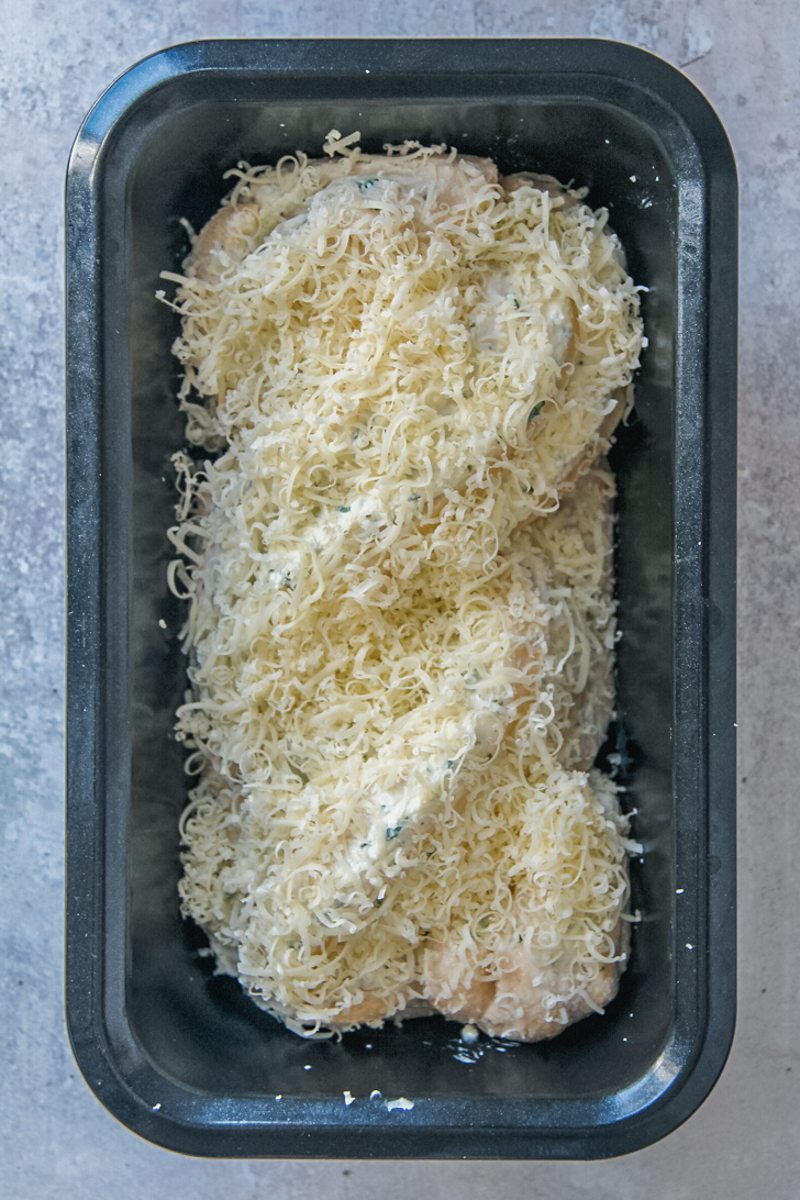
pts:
[397, 557]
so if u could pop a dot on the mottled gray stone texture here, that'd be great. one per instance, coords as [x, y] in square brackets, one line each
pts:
[54, 60]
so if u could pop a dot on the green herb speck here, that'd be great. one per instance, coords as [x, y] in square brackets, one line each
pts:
[537, 408]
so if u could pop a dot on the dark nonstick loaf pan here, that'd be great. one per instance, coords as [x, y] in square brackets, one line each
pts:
[181, 1055]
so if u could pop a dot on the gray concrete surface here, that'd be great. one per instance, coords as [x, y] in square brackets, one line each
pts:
[54, 59]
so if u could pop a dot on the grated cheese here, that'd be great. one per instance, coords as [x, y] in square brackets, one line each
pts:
[397, 561]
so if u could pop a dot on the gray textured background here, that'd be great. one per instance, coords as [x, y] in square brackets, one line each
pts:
[54, 59]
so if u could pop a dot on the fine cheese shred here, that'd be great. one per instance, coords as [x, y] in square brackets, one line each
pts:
[401, 373]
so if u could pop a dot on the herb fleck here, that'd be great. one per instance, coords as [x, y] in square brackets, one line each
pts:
[537, 408]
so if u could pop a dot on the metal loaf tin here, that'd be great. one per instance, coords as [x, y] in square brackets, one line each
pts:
[182, 1056]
